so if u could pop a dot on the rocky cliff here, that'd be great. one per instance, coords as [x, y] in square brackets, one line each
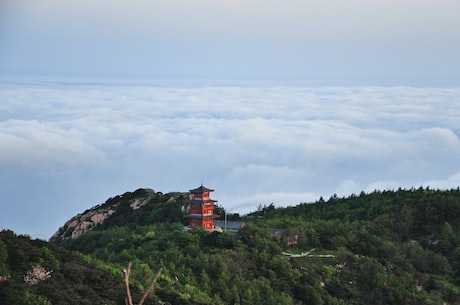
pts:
[131, 208]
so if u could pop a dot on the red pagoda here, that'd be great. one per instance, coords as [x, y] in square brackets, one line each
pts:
[201, 209]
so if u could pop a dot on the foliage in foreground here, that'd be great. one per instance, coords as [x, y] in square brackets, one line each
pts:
[41, 273]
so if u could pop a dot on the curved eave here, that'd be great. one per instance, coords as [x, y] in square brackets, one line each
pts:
[200, 201]
[201, 216]
[200, 190]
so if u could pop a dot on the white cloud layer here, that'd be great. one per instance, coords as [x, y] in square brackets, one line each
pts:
[67, 147]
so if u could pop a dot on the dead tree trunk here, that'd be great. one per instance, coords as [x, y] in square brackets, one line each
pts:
[129, 300]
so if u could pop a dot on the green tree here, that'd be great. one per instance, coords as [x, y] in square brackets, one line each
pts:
[28, 298]
[4, 270]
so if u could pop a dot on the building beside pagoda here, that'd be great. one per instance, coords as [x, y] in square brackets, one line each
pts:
[230, 226]
[201, 209]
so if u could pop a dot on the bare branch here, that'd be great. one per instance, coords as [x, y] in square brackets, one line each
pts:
[129, 301]
[155, 278]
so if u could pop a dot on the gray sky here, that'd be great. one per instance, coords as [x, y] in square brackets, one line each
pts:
[264, 101]
[364, 40]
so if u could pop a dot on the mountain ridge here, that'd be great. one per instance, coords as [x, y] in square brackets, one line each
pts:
[140, 200]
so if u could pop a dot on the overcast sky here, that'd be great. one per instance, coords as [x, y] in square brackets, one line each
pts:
[379, 40]
[263, 101]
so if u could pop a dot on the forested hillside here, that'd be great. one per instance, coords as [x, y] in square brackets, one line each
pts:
[392, 247]
[35, 272]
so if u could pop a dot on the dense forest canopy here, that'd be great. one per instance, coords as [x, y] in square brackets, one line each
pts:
[391, 247]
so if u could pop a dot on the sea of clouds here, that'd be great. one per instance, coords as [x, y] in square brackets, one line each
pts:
[68, 146]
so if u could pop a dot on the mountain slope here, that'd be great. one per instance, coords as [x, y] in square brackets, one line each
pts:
[143, 206]
[394, 247]
[36, 272]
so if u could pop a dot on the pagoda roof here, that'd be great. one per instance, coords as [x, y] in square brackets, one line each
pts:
[200, 190]
[201, 216]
